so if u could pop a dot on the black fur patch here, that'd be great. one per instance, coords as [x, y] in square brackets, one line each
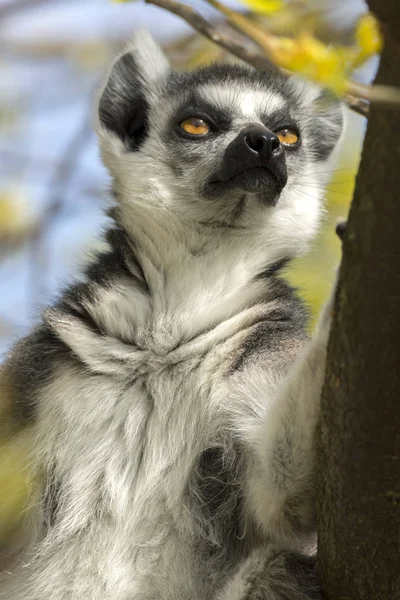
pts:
[276, 268]
[218, 73]
[286, 576]
[30, 367]
[110, 263]
[123, 108]
[119, 262]
[303, 570]
[196, 105]
[124, 250]
[51, 499]
[215, 480]
[278, 118]
[284, 324]
[218, 500]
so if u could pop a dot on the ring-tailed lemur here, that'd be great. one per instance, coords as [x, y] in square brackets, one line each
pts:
[173, 394]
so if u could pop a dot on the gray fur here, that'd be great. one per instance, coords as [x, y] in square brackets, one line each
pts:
[175, 397]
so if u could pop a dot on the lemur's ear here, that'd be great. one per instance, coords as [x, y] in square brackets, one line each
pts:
[327, 124]
[324, 113]
[133, 81]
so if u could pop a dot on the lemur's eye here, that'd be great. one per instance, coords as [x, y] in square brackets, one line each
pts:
[195, 126]
[287, 137]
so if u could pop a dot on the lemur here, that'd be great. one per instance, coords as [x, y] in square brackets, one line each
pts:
[173, 393]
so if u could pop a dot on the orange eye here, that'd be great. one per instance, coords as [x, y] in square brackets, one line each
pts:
[195, 126]
[287, 137]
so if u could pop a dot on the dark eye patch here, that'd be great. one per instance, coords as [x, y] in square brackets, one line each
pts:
[195, 106]
[278, 119]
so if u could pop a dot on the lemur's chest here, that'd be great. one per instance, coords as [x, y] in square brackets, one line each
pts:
[182, 399]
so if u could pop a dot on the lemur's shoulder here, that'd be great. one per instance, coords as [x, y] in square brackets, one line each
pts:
[282, 333]
[34, 359]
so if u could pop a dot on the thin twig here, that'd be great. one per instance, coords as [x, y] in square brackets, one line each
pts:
[245, 27]
[376, 94]
[357, 105]
[200, 24]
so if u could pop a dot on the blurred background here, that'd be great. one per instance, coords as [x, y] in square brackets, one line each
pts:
[53, 187]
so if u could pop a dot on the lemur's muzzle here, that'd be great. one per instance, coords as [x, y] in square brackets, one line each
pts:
[254, 162]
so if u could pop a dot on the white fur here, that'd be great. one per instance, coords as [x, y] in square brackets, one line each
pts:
[247, 105]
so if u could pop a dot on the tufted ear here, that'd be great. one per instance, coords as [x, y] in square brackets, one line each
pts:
[324, 113]
[133, 81]
[327, 124]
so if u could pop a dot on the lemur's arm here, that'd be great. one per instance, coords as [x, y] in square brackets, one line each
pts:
[280, 484]
[281, 480]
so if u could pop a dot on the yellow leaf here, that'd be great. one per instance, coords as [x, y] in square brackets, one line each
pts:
[310, 57]
[15, 217]
[265, 7]
[368, 35]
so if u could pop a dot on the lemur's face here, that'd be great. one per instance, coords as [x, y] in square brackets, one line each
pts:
[221, 144]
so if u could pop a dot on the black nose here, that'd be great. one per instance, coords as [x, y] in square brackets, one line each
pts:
[262, 142]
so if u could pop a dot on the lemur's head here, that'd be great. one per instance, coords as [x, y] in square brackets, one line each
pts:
[223, 144]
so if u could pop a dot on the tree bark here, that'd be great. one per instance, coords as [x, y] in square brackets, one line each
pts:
[359, 491]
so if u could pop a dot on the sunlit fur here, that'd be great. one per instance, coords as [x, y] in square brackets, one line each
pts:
[173, 394]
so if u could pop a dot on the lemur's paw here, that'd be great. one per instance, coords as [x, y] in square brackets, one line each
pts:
[274, 575]
[341, 230]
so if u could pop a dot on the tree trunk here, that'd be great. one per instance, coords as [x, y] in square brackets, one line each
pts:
[359, 492]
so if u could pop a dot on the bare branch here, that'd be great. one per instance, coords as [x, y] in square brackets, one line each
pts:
[358, 96]
[384, 95]
[357, 105]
